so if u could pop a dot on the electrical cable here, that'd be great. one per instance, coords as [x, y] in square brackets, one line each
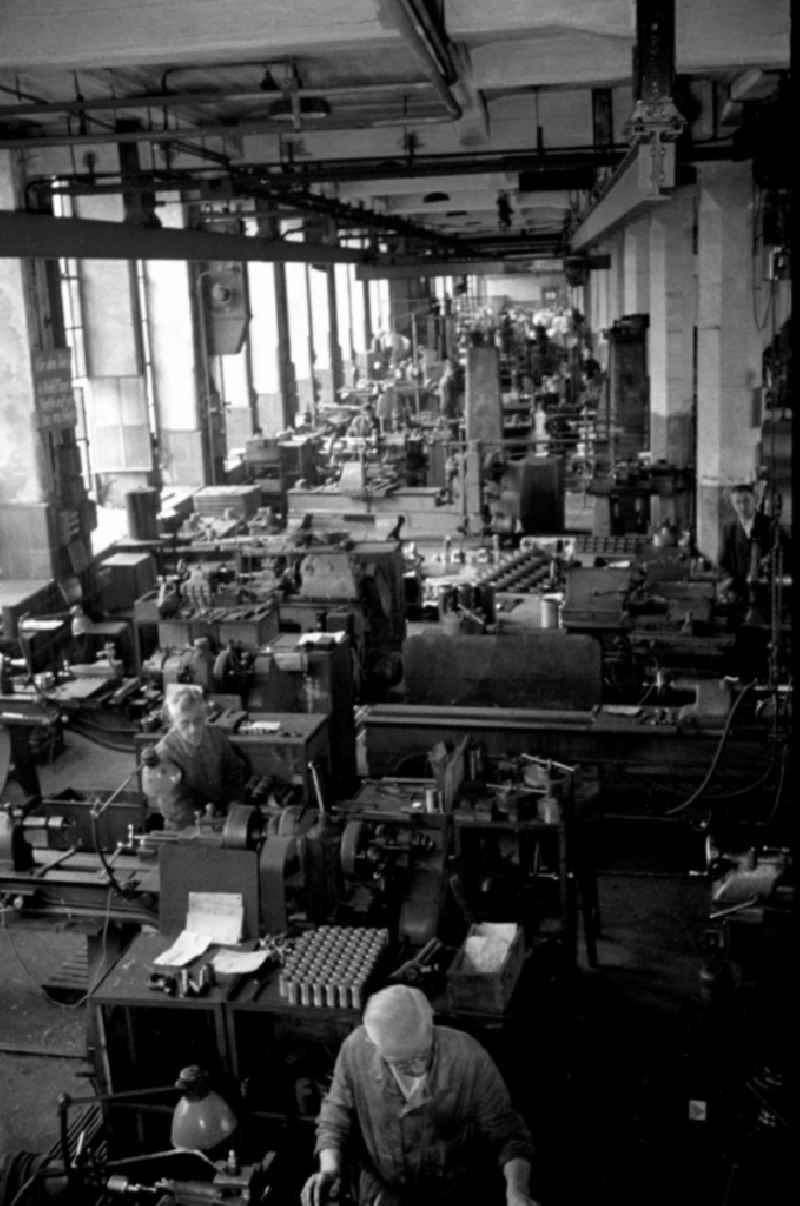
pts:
[90, 735]
[19, 1196]
[709, 775]
[112, 879]
[779, 788]
[738, 792]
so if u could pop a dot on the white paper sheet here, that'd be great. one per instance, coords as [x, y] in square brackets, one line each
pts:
[185, 948]
[233, 963]
[218, 916]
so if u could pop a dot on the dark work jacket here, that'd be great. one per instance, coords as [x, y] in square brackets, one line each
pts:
[464, 1127]
[736, 550]
[214, 773]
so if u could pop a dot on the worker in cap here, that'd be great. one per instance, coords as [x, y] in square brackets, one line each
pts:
[421, 1115]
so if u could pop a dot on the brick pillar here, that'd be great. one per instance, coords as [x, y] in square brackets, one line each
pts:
[728, 344]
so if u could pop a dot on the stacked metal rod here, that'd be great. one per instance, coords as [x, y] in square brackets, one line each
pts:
[331, 966]
[526, 571]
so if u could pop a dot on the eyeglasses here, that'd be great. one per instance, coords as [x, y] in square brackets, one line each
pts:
[415, 1066]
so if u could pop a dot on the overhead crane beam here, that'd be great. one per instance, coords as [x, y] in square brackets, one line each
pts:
[41, 236]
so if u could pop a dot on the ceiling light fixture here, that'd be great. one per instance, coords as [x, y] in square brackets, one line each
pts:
[309, 106]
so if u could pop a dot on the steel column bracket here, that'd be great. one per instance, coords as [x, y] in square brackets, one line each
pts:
[646, 177]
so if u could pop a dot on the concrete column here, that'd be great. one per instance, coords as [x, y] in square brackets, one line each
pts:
[278, 412]
[286, 375]
[608, 287]
[728, 344]
[483, 399]
[672, 305]
[175, 369]
[617, 283]
[598, 285]
[334, 347]
[636, 267]
[24, 523]
[408, 296]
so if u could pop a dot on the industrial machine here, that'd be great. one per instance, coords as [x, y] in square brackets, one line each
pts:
[394, 854]
[207, 1152]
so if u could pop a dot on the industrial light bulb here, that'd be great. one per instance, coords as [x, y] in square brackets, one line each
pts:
[202, 1119]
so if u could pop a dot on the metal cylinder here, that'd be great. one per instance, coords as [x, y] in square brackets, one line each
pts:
[548, 611]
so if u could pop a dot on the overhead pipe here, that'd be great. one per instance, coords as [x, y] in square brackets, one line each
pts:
[263, 125]
[173, 100]
[428, 47]
[178, 144]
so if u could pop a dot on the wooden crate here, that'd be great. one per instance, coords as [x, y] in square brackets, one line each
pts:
[469, 991]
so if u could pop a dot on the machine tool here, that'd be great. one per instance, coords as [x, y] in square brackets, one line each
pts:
[89, 1165]
[393, 857]
[283, 861]
[312, 672]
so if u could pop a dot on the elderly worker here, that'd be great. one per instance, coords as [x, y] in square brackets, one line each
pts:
[422, 1112]
[201, 761]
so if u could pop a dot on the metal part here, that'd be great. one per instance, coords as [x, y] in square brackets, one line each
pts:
[330, 966]
[313, 772]
[352, 839]
[242, 829]
[280, 858]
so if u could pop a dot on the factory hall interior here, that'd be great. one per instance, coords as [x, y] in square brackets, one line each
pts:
[396, 603]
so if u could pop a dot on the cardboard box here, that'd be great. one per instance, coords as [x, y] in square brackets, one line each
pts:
[473, 991]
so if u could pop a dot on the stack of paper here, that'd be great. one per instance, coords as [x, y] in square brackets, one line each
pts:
[212, 918]
[487, 946]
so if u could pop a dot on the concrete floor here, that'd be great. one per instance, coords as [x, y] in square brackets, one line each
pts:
[29, 954]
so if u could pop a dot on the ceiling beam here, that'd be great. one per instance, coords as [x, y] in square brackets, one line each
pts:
[40, 236]
[429, 46]
[539, 165]
[281, 197]
[422, 266]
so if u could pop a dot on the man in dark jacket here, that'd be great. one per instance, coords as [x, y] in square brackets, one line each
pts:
[744, 542]
[422, 1112]
[207, 769]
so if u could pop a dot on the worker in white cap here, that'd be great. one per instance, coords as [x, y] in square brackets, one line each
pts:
[421, 1115]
